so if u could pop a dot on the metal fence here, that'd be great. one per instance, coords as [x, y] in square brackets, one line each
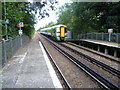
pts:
[114, 37]
[10, 46]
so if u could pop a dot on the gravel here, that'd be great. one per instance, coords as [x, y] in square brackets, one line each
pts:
[75, 76]
[104, 60]
[93, 66]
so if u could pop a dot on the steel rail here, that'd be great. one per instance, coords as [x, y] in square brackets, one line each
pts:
[102, 65]
[104, 82]
[60, 72]
[95, 52]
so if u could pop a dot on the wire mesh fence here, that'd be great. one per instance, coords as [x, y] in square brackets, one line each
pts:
[113, 37]
[10, 46]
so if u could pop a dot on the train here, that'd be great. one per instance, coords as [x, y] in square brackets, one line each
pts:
[58, 32]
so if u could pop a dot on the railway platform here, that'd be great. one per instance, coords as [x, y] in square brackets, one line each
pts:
[106, 47]
[30, 68]
[100, 42]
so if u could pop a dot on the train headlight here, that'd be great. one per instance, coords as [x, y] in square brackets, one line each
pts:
[58, 34]
[66, 34]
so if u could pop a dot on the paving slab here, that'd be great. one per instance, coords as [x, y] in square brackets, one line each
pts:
[28, 68]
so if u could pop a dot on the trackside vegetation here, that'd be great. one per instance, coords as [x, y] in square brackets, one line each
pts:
[23, 12]
[89, 17]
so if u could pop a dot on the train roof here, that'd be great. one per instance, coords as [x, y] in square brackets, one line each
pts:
[53, 27]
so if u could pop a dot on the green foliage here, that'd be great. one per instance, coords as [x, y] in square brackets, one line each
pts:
[88, 17]
[23, 12]
[48, 25]
[16, 12]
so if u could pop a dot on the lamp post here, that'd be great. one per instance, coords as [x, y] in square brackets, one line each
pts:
[5, 19]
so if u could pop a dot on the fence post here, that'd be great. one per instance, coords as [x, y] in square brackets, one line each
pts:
[1, 55]
[117, 38]
[21, 41]
[11, 43]
[93, 36]
[90, 35]
[102, 36]
[5, 56]
[87, 35]
[96, 36]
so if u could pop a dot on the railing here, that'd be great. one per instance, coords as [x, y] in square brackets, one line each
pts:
[10, 46]
[114, 37]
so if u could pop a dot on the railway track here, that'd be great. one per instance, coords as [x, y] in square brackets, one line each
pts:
[64, 81]
[104, 82]
[92, 60]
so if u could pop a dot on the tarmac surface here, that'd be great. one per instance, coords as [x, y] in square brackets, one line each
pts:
[30, 68]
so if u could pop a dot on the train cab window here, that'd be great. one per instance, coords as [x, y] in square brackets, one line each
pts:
[65, 30]
[58, 30]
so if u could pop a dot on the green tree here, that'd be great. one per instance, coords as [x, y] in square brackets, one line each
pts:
[24, 12]
[87, 17]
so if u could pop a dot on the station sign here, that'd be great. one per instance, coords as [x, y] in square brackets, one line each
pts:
[110, 30]
[6, 21]
[20, 32]
[20, 24]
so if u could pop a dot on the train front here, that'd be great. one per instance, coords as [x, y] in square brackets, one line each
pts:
[61, 33]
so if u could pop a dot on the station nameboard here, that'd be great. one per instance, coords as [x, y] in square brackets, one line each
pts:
[20, 32]
[110, 30]
[20, 24]
[6, 21]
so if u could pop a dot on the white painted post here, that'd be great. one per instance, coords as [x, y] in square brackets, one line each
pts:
[109, 36]
[98, 49]
[110, 31]
[106, 51]
[115, 53]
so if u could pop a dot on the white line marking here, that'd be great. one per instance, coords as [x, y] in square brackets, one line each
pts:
[102, 43]
[20, 68]
[11, 61]
[22, 59]
[54, 77]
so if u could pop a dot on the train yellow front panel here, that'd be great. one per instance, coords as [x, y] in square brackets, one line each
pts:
[62, 31]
